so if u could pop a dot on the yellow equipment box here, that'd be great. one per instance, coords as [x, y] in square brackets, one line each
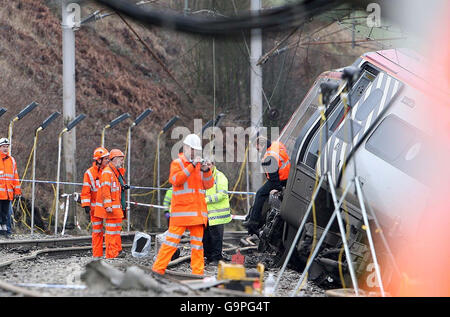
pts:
[241, 279]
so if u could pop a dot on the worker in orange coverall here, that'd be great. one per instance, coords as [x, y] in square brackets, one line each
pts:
[190, 178]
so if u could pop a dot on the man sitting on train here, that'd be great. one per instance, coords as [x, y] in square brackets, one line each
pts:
[276, 165]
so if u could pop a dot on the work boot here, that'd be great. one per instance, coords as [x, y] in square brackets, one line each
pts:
[176, 255]
[246, 220]
[253, 230]
[211, 261]
[252, 227]
[3, 229]
[226, 258]
[121, 255]
[214, 263]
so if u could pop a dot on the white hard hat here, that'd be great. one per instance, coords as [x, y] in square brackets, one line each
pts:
[193, 140]
[4, 141]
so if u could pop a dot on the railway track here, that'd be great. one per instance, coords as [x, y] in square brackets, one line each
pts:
[56, 242]
[86, 240]
[64, 247]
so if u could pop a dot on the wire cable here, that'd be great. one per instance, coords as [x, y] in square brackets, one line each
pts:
[346, 98]
[274, 19]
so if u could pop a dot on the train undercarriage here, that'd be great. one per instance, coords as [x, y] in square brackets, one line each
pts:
[329, 268]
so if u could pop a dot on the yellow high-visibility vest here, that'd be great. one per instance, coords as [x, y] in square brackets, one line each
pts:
[217, 200]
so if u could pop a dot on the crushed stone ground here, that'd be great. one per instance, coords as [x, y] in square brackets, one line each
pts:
[67, 270]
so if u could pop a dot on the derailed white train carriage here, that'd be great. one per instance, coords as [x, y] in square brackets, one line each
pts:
[383, 139]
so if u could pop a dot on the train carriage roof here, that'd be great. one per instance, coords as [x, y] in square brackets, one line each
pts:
[408, 66]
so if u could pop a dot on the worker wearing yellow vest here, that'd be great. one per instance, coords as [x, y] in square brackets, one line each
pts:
[218, 204]
[190, 178]
[166, 203]
[111, 203]
[9, 183]
[91, 185]
[276, 165]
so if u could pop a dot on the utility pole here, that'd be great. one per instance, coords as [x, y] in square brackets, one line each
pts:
[186, 7]
[70, 20]
[353, 29]
[255, 92]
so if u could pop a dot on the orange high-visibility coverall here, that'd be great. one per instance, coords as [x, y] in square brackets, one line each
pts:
[188, 211]
[91, 185]
[9, 178]
[279, 152]
[109, 196]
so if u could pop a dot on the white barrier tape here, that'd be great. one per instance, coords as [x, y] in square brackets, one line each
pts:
[46, 182]
[132, 187]
[80, 184]
[147, 205]
[51, 285]
[234, 217]
[242, 193]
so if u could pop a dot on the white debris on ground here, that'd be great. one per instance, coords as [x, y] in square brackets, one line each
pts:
[62, 275]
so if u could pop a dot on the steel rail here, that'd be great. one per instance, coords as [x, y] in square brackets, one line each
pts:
[171, 274]
[22, 291]
[56, 241]
[87, 239]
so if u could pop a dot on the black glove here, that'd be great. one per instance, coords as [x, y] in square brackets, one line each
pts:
[87, 209]
[204, 171]
[252, 229]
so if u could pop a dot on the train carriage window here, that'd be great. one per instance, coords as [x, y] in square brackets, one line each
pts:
[402, 146]
[301, 116]
[391, 138]
[303, 123]
[313, 148]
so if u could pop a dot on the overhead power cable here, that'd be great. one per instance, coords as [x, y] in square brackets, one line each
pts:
[274, 19]
[160, 62]
[264, 58]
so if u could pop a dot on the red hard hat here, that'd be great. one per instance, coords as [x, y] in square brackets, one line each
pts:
[115, 153]
[100, 152]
